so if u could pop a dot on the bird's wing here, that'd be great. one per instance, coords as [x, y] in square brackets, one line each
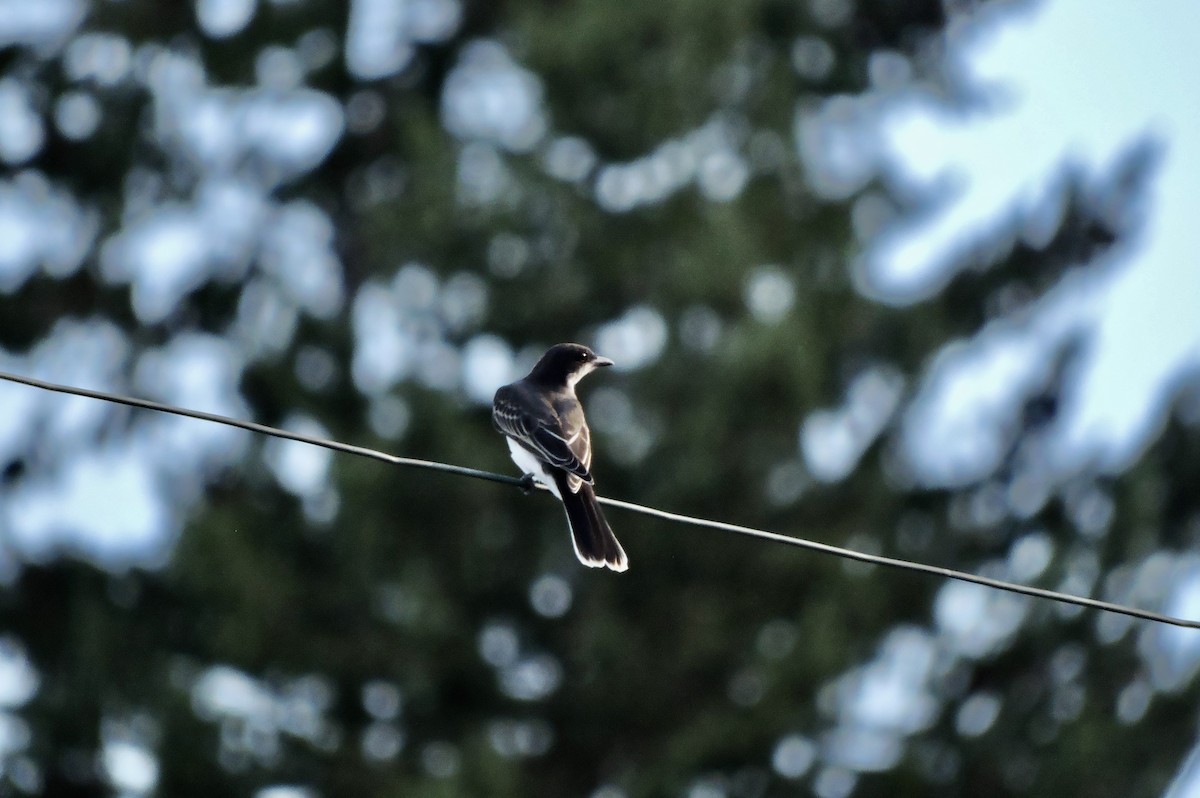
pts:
[583, 447]
[557, 451]
[538, 436]
[572, 426]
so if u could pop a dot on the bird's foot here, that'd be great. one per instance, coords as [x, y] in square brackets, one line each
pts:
[528, 486]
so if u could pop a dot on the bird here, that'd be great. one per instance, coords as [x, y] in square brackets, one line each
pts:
[548, 437]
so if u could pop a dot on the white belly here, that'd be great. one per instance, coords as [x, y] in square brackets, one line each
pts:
[531, 465]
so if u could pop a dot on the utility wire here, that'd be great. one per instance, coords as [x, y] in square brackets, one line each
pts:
[361, 451]
[824, 548]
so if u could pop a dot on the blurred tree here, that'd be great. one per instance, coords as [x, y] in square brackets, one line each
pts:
[359, 214]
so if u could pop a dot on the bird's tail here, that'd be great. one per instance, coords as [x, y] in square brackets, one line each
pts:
[595, 544]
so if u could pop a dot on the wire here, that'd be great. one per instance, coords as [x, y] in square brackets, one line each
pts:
[906, 565]
[525, 484]
[336, 446]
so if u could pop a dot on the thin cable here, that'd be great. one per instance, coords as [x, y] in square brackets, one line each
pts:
[774, 537]
[265, 430]
[891, 562]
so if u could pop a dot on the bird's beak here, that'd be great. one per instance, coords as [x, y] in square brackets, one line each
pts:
[602, 361]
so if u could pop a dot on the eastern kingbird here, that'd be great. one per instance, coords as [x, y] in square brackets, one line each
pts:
[548, 437]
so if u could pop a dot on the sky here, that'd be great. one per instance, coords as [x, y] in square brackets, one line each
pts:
[1054, 85]
[1123, 83]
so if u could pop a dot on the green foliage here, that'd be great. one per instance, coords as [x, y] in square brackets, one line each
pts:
[695, 663]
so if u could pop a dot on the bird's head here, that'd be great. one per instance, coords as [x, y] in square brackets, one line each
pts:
[567, 364]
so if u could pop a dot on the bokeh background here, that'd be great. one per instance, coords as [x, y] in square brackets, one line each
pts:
[909, 276]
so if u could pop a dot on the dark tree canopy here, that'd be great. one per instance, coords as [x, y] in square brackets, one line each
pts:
[356, 220]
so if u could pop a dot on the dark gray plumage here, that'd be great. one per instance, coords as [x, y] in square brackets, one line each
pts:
[548, 437]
